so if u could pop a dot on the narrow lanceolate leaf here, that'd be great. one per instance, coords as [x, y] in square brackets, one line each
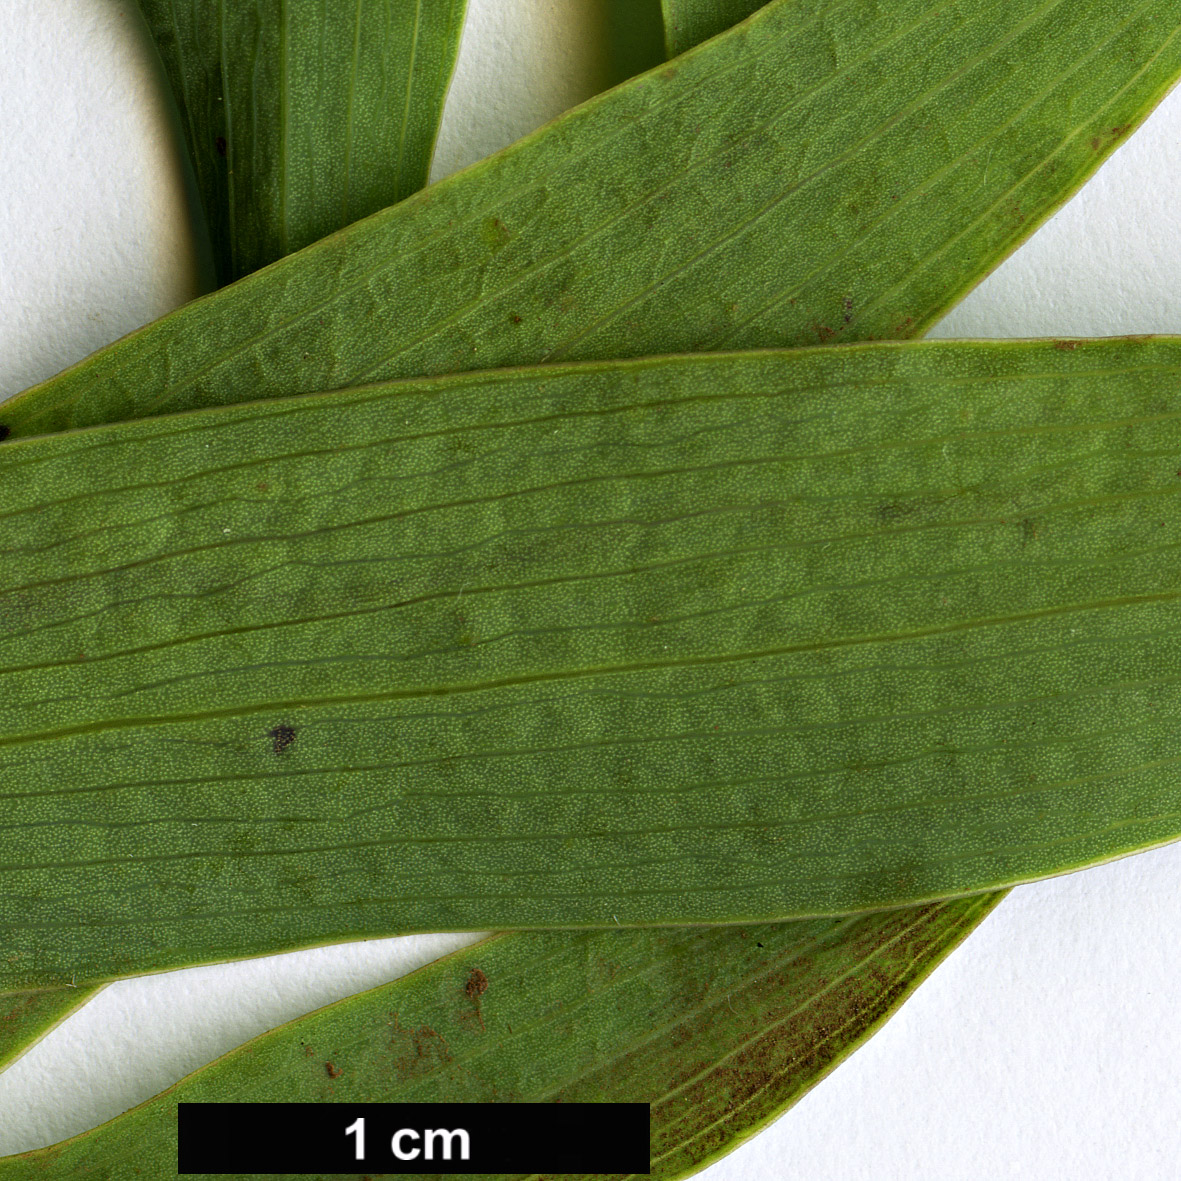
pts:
[26, 1017]
[301, 116]
[822, 172]
[718, 1029]
[700, 639]
[689, 22]
[349, 130]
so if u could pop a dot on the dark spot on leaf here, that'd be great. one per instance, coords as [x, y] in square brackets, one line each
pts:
[282, 736]
[4, 432]
[476, 986]
[333, 1070]
[1068, 345]
[895, 511]
[222, 146]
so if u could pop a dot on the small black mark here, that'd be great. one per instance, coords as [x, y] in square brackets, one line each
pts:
[222, 147]
[4, 432]
[281, 737]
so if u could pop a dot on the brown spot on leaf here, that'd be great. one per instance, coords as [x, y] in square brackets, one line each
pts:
[282, 736]
[1068, 345]
[476, 986]
[334, 1071]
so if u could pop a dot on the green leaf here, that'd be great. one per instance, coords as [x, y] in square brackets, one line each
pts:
[301, 116]
[716, 1028]
[634, 38]
[822, 172]
[689, 22]
[698, 639]
[26, 1017]
[379, 70]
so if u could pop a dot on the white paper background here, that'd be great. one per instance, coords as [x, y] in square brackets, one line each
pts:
[1048, 1046]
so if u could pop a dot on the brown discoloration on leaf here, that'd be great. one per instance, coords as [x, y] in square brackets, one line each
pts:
[1109, 136]
[282, 736]
[801, 1014]
[1067, 345]
[22, 1006]
[333, 1070]
[415, 1050]
[476, 986]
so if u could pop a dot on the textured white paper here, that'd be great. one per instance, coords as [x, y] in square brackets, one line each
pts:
[1047, 1047]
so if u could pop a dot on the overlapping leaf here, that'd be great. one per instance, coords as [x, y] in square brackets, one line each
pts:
[302, 117]
[699, 639]
[299, 118]
[689, 22]
[823, 172]
[26, 1017]
[718, 1029]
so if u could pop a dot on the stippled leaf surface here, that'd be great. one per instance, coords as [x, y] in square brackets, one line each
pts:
[299, 118]
[205, 120]
[689, 22]
[717, 1028]
[823, 172]
[26, 1017]
[698, 639]
[303, 116]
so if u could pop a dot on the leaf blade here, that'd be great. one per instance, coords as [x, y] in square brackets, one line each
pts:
[504, 264]
[263, 88]
[754, 548]
[27, 1017]
[689, 22]
[658, 1001]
